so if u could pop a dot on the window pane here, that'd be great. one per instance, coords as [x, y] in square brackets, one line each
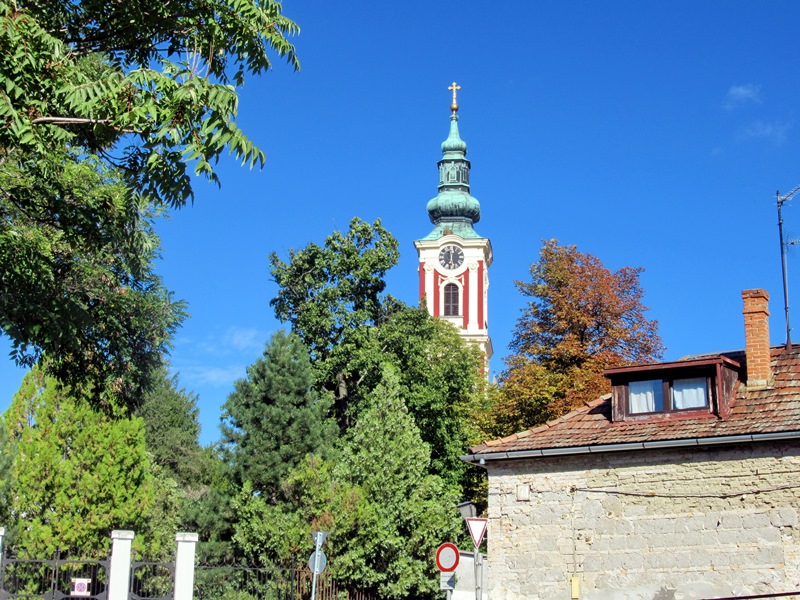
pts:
[645, 396]
[451, 300]
[689, 393]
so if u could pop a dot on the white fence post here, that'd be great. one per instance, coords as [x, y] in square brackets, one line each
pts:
[184, 565]
[2, 539]
[119, 579]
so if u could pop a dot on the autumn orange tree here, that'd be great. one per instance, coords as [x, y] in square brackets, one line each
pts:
[581, 318]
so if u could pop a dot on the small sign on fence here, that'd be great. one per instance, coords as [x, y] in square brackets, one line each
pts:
[80, 587]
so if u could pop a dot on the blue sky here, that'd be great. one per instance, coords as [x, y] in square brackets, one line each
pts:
[647, 133]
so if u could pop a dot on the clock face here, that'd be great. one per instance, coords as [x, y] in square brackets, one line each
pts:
[451, 257]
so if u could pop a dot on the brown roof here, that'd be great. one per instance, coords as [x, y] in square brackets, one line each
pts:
[775, 409]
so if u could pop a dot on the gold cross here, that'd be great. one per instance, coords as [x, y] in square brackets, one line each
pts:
[454, 88]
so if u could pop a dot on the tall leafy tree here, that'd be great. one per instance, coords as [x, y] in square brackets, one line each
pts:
[76, 275]
[333, 298]
[151, 81]
[275, 417]
[78, 474]
[331, 295]
[106, 109]
[580, 318]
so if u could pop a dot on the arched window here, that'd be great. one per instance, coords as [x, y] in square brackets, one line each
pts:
[451, 300]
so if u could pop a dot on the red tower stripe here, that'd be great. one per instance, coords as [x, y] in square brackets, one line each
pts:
[481, 324]
[421, 280]
[465, 300]
[436, 293]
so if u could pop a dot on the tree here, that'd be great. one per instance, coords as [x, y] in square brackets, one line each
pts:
[78, 474]
[171, 429]
[384, 511]
[7, 451]
[76, 276]
[331, 295]
[195, 478]
[312, 498]
[148, 78]
[581, 319]
[413, 511]
[274, 417]
[104, 109]
[209, 510]
[440, 378]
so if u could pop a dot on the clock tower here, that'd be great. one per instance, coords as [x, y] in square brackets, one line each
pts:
[454, 259]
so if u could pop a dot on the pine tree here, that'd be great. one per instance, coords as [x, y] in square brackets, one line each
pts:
[274, 417]
[171, 428]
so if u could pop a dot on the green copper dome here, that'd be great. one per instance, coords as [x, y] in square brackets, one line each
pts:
[454, 211]
[454, 143]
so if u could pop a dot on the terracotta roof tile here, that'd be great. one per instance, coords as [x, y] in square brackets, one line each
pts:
[770, 410]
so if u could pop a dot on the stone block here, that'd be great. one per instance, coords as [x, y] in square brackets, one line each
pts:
[785, 516]
[756, 521]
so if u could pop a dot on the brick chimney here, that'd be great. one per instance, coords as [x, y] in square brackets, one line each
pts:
[756, 337]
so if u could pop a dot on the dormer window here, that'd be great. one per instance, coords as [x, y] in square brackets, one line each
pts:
[702, 386]
[649, 396]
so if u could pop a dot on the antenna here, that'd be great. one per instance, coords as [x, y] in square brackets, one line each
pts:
[781, 201]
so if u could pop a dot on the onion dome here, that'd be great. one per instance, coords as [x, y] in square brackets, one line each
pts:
[453, 210]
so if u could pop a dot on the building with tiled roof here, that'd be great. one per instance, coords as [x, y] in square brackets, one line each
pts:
[684, 482]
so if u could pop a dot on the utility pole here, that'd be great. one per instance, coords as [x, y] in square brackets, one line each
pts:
[781, 201]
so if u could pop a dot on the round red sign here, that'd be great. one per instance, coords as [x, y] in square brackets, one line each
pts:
[447, 557]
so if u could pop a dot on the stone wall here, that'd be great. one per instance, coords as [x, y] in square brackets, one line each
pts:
[655, 524]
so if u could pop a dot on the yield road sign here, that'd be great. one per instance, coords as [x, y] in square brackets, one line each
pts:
[477, 529]
[447, 557]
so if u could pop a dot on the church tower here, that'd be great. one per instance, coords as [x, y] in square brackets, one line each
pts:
[454, 259]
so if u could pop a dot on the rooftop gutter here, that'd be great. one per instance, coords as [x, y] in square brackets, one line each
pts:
[481, 459]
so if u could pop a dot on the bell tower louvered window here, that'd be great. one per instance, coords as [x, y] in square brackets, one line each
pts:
[451, 298]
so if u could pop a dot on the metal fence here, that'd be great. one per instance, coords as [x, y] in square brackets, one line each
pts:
[53, 579]
[152, 581]
[237, 582]
[58, 579]
[241, 582]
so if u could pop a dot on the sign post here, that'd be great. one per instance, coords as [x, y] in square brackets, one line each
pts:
[317, 560]
[447, 557]
[477, 529]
